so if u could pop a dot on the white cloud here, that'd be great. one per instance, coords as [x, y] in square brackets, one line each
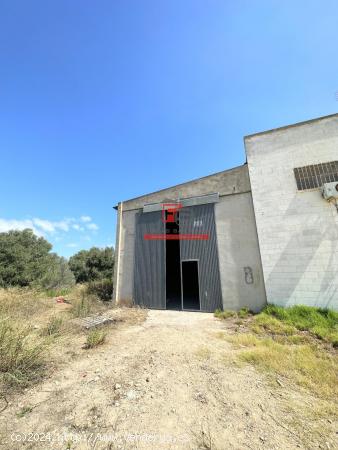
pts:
[6, 225]
[77, 227]
[48, 226]
[85, 218]
[72, 245]
[92, 226]
[43, 227]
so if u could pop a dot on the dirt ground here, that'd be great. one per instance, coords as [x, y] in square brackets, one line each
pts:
[166, 382]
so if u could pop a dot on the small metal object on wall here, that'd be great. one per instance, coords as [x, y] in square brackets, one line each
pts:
[248, 275]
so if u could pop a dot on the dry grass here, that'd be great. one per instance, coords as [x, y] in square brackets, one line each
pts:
[306, 365]
[295, 343]
[35, 330]
[203, 353]
[226, 313]
[83, 304]
[264, 323]
[54, 326]
[22, 353]
[22, 350]
[23, 304]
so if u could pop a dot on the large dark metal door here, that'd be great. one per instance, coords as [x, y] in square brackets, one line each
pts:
[201, 220]
[149, 263]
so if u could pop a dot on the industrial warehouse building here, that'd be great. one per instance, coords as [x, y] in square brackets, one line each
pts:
[263, 232]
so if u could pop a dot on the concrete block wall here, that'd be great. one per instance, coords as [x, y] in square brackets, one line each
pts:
[297, 230]
[239, 259]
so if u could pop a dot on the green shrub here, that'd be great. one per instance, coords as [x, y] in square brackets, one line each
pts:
[102, 289]
[57, 274]
[93, 264]
[26, 260]
[95, 337]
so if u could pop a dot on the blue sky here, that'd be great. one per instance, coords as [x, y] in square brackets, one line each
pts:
[107, 100]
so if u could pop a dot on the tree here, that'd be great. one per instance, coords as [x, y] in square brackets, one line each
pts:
[58, 274]
[25, 260]
[23, 257]
[93, 264]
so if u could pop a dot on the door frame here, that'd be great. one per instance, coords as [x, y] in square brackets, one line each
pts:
[198, 276]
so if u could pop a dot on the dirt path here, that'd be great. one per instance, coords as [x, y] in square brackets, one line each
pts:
[167, 383]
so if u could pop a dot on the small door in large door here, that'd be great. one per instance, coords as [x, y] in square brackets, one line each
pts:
[149, 262]
[200, 220]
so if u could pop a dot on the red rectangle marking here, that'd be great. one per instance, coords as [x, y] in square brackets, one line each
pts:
[175, 237]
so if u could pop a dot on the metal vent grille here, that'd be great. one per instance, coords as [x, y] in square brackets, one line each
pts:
[311, 177]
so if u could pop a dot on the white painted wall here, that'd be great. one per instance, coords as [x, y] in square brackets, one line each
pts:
[297, 231]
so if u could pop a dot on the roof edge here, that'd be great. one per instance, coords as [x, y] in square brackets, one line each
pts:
[297, 124]
[181, 184]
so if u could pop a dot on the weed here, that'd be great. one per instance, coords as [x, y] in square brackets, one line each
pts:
[95, 337]
[81, 307]
[224, 314]
[53, 327]
[21, 353]
[243, 312]
[84, 304]
[24, 410]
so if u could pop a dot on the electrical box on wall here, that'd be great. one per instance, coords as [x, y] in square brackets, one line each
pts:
[330, 190]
